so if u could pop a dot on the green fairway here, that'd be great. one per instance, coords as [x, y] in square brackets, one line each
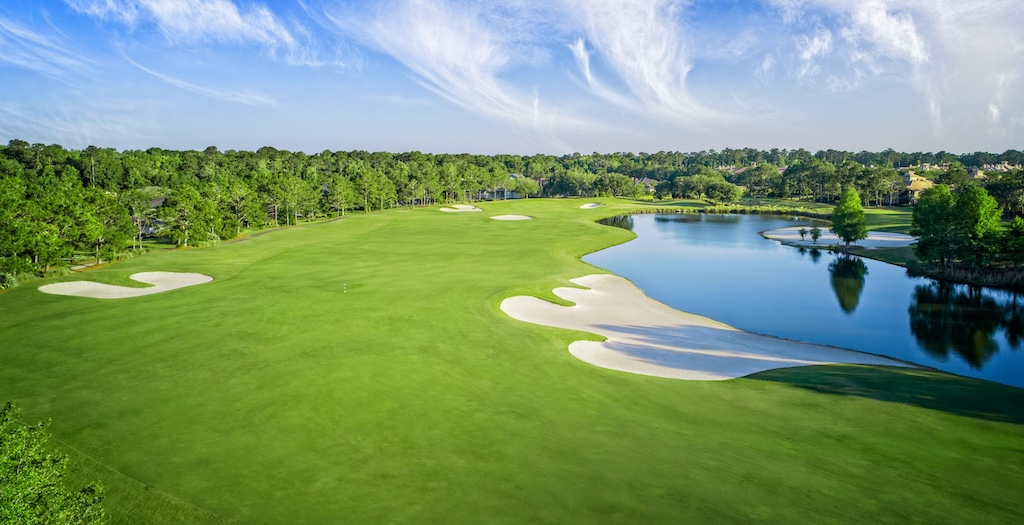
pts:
[360, 371]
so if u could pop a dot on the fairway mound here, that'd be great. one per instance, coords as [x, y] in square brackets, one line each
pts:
[460, 208]
[648, 338]
[590, 205]
[791, 236]
[512, 218]
[161, 281]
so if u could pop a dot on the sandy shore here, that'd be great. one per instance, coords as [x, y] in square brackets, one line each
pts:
[460, 208]
[649, 338]
[512, 217]
[161, 281]
[791, 235]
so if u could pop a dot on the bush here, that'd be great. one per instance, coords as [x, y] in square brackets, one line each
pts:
[32, 488]
[8, 280]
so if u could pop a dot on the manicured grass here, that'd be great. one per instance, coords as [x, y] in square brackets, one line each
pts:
[899, 256]
[889, 219]
[360, 371]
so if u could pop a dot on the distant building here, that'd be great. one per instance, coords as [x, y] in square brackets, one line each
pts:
[647, 183]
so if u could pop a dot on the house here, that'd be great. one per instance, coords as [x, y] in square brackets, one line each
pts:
[648, 184]
[915, 184]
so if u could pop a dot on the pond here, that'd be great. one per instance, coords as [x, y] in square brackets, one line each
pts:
[720, 267]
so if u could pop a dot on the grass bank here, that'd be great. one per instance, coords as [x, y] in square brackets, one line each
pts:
[361, 371]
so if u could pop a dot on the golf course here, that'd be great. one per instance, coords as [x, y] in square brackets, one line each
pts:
[362, 370]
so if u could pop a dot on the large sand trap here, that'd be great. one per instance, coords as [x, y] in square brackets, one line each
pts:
[512, 217]
[646, 337]
[161, 281]
[791, 236]
[460, 208]
[590, 205]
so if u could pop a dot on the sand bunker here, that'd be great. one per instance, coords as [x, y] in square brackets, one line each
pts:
[161, 281]
[590, 205]
[460, 208]
[646, 337]
[512, 217]
[791, 236]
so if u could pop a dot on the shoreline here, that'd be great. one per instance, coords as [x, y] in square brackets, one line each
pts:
[647, 337]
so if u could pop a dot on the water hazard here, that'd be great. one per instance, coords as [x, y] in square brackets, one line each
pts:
[720, 267]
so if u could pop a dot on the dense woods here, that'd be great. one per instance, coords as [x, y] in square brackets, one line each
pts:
[56, 203]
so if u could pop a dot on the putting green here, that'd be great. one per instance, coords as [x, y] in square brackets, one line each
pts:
[361, 371]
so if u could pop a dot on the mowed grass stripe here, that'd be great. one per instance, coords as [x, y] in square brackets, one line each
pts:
[361, 371]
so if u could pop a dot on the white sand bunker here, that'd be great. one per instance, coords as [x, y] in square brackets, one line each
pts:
[512, 217]
[646, 337]
[791, 236]
[161, 281]
[590, 205]
[461, 208]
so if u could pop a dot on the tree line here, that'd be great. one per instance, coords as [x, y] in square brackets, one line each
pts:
[57, 202]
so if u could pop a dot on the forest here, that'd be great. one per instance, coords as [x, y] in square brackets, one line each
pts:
[57, 204]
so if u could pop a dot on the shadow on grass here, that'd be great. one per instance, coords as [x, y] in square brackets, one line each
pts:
[923, 388]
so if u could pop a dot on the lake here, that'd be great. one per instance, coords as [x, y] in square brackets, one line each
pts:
[720, 267]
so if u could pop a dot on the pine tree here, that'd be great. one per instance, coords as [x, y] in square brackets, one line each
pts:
[848, 221]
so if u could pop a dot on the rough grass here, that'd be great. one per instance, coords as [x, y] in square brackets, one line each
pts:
[360, 371]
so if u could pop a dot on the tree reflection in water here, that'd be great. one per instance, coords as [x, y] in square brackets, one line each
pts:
[847, 277]
[946, 317]
[619, 221]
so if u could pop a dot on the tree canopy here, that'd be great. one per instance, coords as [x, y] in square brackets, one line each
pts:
[32, 488]
[848, 220]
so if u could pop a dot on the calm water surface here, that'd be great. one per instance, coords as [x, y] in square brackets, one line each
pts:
[720, 267]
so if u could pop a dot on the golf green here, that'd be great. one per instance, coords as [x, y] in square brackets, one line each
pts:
[361, 371]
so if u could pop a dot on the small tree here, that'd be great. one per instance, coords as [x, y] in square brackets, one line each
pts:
[848, 221]
[815, 234]
[32, 488]
[803, 233]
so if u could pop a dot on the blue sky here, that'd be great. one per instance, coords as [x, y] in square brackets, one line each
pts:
[516, 76]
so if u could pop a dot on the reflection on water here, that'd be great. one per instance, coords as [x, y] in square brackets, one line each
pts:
[619, 221]
[946, 317]
[813, 253]
[847, 278]
[719, 267]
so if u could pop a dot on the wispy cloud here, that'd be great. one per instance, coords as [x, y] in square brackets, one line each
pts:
[74, 125]
[945, 49]
[812, 48]
[47, 54]
[195, 20]
[248, 97]
[455, 53]
[644, 45]
[221, 21]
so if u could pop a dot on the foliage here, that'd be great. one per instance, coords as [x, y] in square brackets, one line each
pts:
[56, 203]
[956, 226]
[933, 226]
[8, 280]
[32, 488]
[815, 234]
[848, 221]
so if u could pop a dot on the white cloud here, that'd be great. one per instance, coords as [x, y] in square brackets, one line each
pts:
[765, 70]
[47, 54]
[644, 45]
[221, 21]
[812, 48]
[75, 124]
[455, 53]
[248, 97]
[893, 34]
[960, 56]
[195, 20]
